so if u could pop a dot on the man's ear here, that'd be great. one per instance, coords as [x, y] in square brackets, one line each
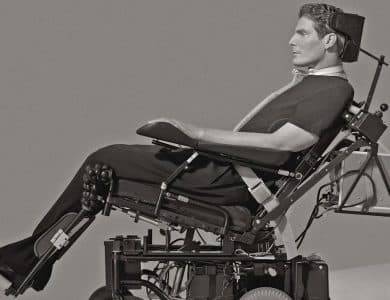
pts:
[329, 40]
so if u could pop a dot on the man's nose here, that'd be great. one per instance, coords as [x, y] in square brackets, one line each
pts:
[291, 42]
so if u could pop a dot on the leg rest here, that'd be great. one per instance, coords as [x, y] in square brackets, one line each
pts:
[44, 243]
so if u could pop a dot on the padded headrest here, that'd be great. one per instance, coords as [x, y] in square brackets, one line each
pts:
[351, 26]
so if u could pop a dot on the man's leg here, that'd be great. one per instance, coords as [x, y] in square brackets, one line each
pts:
[17, 259]
[142, 163]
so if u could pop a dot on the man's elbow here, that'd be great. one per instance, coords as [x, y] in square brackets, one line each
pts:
[293, 138]
[295, 144]
[304, 144]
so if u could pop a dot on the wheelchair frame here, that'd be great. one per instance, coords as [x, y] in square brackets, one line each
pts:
[302, 278]
[299, 277]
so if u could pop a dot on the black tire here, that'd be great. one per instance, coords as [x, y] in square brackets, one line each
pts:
[103, 293]
[265, 293]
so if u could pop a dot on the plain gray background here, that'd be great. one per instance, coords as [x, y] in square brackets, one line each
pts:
[78, 75]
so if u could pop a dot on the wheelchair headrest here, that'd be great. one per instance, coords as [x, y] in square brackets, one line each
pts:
[351, 27]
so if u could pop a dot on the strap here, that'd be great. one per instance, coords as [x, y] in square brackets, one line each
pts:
[263, 196]
[257, 188]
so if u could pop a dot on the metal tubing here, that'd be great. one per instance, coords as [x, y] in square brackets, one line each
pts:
[115, 273]
[361, 171]
[383, 172]
[177, 281]
[381, 61]
[373, 56]
[165, 184]
[376, 214]
[287, 200]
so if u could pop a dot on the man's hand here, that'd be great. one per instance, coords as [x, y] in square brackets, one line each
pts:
[190, 130]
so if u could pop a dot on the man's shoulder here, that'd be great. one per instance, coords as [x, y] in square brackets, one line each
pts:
[325, 85]
[326, 82]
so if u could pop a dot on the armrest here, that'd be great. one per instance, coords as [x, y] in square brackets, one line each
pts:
[183, 134]
[170, 131]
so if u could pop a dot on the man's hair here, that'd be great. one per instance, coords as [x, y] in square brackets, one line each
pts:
[321, 14]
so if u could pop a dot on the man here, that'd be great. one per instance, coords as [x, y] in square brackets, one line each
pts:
[287, 121]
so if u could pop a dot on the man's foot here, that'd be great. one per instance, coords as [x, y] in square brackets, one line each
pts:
[5, 284]
[9, 280]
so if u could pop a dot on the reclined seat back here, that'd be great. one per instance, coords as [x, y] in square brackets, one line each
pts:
[307, 163]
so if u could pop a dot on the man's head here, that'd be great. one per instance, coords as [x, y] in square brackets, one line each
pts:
[314, 44]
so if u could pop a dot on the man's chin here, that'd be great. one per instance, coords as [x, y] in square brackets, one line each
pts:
[300, 64]
[303, 64]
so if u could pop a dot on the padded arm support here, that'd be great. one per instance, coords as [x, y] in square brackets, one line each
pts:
[169, 131]
[187, 135]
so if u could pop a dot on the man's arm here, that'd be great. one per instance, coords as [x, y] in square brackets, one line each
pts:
[289, 137]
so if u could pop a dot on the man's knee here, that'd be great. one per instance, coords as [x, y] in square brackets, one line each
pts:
[105, 153]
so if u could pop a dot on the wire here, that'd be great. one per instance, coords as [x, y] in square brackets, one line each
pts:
[319, 202]
[200, 236]
[175, 241]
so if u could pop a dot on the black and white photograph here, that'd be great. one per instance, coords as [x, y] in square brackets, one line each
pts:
[194, 149]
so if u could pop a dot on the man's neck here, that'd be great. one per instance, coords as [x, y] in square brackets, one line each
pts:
[327, 62]
[327, 70]
[334, 70]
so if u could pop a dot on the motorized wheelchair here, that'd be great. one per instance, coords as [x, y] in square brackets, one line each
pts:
[256, 256]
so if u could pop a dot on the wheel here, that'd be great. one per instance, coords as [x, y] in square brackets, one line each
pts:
[103, 293]
[265, 293]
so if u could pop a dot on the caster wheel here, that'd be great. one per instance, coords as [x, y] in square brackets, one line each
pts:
[103, 293]
[265, 293]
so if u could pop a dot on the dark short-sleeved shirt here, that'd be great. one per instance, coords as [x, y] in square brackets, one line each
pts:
[314, 104]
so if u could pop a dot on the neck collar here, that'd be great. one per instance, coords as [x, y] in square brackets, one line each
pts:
[337, 71]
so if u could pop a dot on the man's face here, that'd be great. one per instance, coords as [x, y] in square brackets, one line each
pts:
[307, 48]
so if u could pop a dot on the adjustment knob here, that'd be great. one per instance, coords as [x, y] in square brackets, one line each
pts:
[384, 107]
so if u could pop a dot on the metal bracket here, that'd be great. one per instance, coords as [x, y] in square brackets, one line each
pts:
[60, 239]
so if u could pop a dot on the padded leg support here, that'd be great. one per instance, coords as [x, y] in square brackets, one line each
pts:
[46, 240]
[54, 249]
[97, 182]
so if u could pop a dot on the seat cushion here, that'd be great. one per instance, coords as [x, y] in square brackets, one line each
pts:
[240, 216]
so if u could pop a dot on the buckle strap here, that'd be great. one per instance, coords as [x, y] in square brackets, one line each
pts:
[60, 239]
[257, 188]
[263, 196]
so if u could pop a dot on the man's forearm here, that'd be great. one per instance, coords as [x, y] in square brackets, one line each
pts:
[250, 139]
[289, 137]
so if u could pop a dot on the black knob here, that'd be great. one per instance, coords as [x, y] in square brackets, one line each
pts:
[379, 114]
[384, 107]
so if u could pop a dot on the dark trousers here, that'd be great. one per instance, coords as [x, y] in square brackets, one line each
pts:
[205, 180]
